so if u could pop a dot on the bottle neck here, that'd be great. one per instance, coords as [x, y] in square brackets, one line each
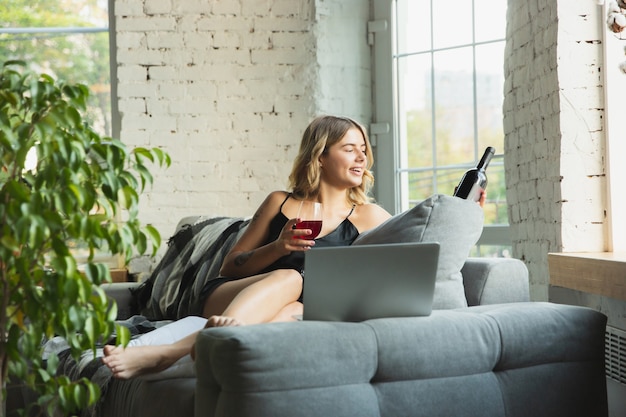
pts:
[484, 161]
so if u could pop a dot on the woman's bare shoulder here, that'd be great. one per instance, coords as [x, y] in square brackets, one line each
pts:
[370, 215]
[271, 204]
[276, 197]
[258, 229]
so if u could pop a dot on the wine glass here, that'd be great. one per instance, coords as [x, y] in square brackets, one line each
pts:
[310, 215]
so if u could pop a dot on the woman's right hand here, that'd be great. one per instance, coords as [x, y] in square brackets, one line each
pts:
[252, 253]
[290, 239]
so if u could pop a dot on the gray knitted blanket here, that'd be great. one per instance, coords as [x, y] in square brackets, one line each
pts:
[193, 258]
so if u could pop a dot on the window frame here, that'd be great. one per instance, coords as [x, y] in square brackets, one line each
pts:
[614, 91]
[384, 129]
[115, 114]
[115, 260]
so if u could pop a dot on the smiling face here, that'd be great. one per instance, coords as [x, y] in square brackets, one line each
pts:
[344, 163]
[341, 144]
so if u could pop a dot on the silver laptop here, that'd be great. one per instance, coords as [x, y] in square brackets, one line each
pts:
[355, 283]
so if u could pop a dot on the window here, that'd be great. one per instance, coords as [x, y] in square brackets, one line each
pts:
[68, 39]
[71, 46]
[438, 98]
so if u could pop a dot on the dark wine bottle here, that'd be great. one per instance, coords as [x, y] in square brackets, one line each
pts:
[474, 181]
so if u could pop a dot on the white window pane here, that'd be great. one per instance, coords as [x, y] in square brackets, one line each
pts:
[490, 20]
[73, 47]
[420, 186]
[454, 98]
[415, 111]
[452, 26]
[489, 95]
[413, 35]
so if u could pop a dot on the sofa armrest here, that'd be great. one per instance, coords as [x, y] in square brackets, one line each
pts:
[495, 281]
[282, 364]
[120, 292]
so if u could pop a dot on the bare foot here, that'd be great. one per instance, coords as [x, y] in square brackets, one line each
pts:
[217, 321]
[126, 363]
[222, 321]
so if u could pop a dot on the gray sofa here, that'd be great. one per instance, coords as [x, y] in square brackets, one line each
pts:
[501, 356]
[484, 351]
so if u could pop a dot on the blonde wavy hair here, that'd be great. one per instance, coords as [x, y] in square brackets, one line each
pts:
[322, 133]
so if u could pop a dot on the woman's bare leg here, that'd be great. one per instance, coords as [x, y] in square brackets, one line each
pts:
[128, 362]
[257, 299]
[289, 313]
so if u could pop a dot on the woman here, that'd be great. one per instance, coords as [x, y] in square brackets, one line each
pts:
[262, 275]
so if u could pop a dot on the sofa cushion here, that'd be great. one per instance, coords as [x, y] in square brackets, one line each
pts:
[453, 222]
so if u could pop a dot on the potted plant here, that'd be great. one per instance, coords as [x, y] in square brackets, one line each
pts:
[80, 187]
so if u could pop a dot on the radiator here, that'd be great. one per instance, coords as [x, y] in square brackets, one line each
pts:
[615, 354]
[615, 368]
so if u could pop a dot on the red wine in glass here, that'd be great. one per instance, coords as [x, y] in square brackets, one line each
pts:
[314, 225]
[310, 215]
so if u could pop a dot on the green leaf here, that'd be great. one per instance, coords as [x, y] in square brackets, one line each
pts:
[18, 62]
[122, 335]
[94, 393]
[145, 175]
[97, 273]
[18, 191]
[163, 157]
[64, 398]
[127, 197]
[142, 244]
[79, 194]
[73, 116]
[70, 289]
[52, 364]
[81, 396]
[112, 313]
[141, 153]
[90, 330]
[44, 375]
[10, 243]
[155, 238]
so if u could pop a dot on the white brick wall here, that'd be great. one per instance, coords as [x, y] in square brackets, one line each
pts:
[553, 124]
[227, 87]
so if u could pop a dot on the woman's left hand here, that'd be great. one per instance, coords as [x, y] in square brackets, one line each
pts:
[483, 198]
